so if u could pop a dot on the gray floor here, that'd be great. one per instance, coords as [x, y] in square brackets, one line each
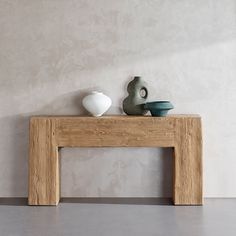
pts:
[216, 217]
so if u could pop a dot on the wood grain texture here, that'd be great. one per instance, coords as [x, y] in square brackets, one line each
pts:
[183, 132]
[43, 163]
[188, 162]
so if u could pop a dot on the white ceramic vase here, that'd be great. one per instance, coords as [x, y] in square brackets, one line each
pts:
[96, 103]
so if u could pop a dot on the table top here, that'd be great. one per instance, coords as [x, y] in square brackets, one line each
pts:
[118, 116]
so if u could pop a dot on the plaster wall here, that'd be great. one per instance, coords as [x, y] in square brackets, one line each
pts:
[53, 51]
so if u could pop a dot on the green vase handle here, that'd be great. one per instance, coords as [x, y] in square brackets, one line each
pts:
[145, 91]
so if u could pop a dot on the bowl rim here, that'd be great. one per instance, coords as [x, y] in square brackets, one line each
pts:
[154, 102]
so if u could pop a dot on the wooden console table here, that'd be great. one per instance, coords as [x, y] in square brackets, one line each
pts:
[182, 132]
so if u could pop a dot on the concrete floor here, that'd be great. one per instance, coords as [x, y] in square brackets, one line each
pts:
[216, 217]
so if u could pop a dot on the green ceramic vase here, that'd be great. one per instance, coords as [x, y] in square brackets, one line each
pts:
[138, 93]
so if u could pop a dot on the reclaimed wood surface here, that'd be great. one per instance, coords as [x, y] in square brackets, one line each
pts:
[182, 132]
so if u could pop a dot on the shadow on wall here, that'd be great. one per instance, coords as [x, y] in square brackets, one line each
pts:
[167, 168]
[66, 104]
[120, 172]
[71, 104]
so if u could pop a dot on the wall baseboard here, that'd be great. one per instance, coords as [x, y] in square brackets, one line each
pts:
[23, 201]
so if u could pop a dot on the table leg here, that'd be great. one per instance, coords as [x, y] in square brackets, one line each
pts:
[188, 163]
[44, 186]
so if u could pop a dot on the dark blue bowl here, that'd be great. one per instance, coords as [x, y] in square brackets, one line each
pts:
[158, 108]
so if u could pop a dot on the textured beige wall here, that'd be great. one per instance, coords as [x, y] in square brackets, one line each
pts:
[53, 51]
